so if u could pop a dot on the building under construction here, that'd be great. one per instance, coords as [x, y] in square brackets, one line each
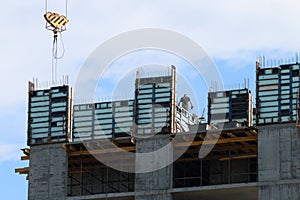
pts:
[70, 145]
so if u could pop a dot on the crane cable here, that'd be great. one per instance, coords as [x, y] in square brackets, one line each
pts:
[55, 56]
[55, 46]
[66, 10]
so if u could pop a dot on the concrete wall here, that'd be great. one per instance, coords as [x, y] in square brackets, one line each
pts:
[153, 185]
[48, 172]
[279, 162]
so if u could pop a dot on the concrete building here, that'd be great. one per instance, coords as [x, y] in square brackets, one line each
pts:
[261, 162]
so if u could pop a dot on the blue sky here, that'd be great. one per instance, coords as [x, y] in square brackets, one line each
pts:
[233, 33]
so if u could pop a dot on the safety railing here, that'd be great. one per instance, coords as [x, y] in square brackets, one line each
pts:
[184, 118]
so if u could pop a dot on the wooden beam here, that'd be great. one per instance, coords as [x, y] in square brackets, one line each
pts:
[101, 151]
[70, 147]
[99, 166]
[179, 144]
[249, 133]
[202, 136]
[239, 157]
[244, 143]
[219, 141]
[25, 157]
[235, 147]
[228, 147]
[254, 132]
[231, 135]
[24, 170]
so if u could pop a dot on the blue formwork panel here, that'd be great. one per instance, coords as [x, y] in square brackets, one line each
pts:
[277, 91]
[153, 105]
[103, 120]
[49, 115]
[231, 105]
[83, 122]
[123, 118]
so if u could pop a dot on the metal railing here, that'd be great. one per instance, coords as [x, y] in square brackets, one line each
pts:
[184, 118]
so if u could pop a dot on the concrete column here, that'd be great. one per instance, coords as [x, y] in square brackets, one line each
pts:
[48, 172]
[279, 162]
[154, 184]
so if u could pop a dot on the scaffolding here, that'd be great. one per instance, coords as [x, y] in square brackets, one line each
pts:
[91, 177]
[232, 160]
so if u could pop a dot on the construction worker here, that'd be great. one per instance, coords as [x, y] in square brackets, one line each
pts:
[185, 102]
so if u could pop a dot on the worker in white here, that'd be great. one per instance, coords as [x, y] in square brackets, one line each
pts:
[185, 100]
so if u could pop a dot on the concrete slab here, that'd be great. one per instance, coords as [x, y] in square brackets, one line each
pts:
[219, 192]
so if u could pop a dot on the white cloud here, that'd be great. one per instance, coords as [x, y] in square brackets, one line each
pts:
[229, 30]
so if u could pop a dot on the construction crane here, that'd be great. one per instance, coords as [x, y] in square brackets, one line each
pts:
[57, 24]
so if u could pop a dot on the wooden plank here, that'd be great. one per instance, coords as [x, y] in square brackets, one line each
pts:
[239, 157]
[219, 148]
[24, 170]
[219, 141]
[101, 151]
[25, 157]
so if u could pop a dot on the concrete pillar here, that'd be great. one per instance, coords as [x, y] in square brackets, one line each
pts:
[154, 184]
[48, 172]
[279, 162]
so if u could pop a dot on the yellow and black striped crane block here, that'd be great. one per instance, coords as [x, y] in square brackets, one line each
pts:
[55, 20]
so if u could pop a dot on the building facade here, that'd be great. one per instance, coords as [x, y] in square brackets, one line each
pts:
[246, 162]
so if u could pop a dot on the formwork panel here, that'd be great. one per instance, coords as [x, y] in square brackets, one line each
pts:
[277, 93]
[229, 106]
[49, 115]
[103, 120]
